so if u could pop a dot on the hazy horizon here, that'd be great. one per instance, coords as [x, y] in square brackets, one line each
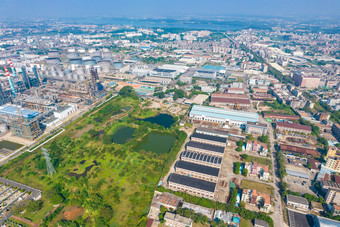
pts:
[35, 9]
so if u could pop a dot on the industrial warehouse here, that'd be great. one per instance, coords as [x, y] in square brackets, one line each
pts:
[222, 116]
[198, 169]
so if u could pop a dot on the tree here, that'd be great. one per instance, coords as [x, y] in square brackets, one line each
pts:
[107, 139]
[239, 143]
[128, 91]
[242, 204]
[244, 156]
[34, 206]
[106, 212]
[160, 95]
[263, 139]
[237, 167]
[239, 149]
[244, 172]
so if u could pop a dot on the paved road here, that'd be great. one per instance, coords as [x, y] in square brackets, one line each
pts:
[277, 215]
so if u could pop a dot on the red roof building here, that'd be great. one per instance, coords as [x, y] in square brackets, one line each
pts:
[293, 127]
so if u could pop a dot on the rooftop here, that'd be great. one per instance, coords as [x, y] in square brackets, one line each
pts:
[13, 110]
[204, 146]
[202, 157]
[294, 126]
[192, 182]
[198, 168]
[224, 114]
[303, 150]
[212, 131]
[261, 223]
[297, 199]
[209, 137]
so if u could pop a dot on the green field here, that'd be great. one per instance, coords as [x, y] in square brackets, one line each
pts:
[262, 161]
[120, 178]
[262, 188]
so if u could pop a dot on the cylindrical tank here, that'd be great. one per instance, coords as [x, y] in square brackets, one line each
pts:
[118, 65]
[75, 61]
[52, 61]
[97, 58]
[72, 55]
[53, 54]
[89, 62]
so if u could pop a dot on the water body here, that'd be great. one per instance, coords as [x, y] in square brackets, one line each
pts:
[165, 120]
[123, 134]
[159, 143]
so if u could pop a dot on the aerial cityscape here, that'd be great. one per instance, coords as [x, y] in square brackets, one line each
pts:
[155, 117]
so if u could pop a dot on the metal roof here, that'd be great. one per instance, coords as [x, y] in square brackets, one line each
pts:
[297, 174]
[198, 168]
[192, 182]
[13, 110]
[202, 157]
[224, 113]
[204, 146]
[209, 137]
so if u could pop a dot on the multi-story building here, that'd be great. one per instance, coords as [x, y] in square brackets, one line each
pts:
[324, 116]
[333, 196]
[336, 131]
[297, 202]
[254, 169]
[192, 186]
[225, 100]
[202, 159]
[256, 128]
[333, 164]
[255, 198]
[208, 139]
[333, 152]
[206, 149]
[175, 220]
[198, 171]
[306, 81]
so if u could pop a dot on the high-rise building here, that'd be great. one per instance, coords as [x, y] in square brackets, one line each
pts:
[306, 81]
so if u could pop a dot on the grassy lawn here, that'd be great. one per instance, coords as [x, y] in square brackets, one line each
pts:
[279, 108]
[146, 113]
[261, 188]
[245, 223]
[259, 160]
[122, 178]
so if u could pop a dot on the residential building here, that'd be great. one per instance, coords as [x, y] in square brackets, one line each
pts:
[254, 169]
[336, 210]
[293, 127]
[297, 202]
[315, 165]
[192, 186]
[333, 164]
[256, 128]
[336, 131]
[175, 220]
[198, 171]
[257, 199]
[306, 81]
[168, 200]
[333, 152]
[316, 207]
[333, 196]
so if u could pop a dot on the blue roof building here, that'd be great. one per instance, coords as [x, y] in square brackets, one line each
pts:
[218, 115]
[14, 111]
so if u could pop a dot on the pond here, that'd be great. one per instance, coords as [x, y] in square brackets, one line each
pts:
[9, 145]
[123, 134]
[165, 120]
[156, 142]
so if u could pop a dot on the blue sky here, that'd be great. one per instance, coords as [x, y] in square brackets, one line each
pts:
[167, 8]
